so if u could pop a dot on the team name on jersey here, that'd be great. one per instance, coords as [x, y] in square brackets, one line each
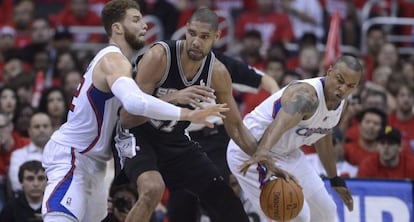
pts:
[164, 91]
[309, 131]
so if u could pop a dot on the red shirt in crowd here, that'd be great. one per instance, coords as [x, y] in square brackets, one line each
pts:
[19, 142]
[406, 128]
[355, 154]
[372, 168]
[274, 26]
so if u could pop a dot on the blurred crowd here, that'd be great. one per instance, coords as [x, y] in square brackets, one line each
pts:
[40, 70]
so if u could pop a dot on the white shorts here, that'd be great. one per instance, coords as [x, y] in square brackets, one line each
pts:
[75, 184]
[296, 164]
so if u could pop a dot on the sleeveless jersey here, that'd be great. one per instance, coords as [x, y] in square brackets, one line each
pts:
[174, 80]
[92, 116]
[306, 132]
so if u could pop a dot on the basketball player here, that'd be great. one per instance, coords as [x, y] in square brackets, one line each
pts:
[75, 157]
[182, 205]
[165, 148]
[304, 112]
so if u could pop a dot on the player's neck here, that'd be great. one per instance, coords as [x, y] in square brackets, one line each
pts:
[126, 50]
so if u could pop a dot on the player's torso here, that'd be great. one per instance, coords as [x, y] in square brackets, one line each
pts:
[92, 116]
[174, 79]
[306, 132]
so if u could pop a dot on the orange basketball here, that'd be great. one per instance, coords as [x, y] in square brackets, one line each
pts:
[281, 200]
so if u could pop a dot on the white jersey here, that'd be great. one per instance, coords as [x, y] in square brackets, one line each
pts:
[306, 132]
[91, 118]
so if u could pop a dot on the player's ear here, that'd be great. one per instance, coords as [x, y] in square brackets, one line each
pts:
[218, 34]
[117, 28]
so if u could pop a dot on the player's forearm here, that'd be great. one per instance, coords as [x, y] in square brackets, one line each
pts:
[326, 154]
[243, 138]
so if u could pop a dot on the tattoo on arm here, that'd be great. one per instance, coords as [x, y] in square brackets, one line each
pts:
[302, 101]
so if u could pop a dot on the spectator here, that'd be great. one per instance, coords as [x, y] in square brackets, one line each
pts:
[164, 11]
[65, 62]
[53, 102]
[27, 206]
[368, 98]
[250, 49]
[403, 117]
[374, 41]
[121, 199]
[7, 38]
[9, 102]
[23, 15]
[389, 162]
[22, 120]
[23, 86]
[8, 143]
[371, 122]
[71, 80]
[388, 56]
[273, 26]
[309, 61]
[306, 16]
[288, 77]
[407, 69]
[77, 13]
[40, 130]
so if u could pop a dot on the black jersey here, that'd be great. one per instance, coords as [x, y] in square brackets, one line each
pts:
[174, 80]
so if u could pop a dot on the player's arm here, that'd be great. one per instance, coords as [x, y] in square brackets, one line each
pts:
[246, 78]
[221, 83]
[118, 71]
[298, 102]
[325, 149]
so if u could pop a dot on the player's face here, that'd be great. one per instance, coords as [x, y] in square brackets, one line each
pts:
[340, 82]
[134, 29]
[200, 38]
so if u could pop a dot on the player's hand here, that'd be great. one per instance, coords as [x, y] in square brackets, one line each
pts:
[346, 197]
[264, 159]
[193, 95]
[200, 115]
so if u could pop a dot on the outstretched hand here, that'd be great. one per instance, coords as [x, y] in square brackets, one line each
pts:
[346, 197]
[201, 115]
[265, 160]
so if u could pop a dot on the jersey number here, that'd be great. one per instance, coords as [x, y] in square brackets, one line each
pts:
[166, 126]
[76, 94]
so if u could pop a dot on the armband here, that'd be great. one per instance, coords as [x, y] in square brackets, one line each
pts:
[337, 182]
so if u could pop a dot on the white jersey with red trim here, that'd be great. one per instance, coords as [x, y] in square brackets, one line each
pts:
[92, 116]
[306, 132]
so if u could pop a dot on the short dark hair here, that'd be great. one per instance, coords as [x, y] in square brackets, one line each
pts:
[32, 166]
[205, 15]
[351, 62]
[115, 11]
[376, 111]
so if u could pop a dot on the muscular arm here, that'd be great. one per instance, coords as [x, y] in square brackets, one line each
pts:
[147, 77]
[299, 102]
[326, 153]
[221, 83]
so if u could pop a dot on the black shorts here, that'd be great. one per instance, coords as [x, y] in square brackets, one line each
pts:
[182, 165]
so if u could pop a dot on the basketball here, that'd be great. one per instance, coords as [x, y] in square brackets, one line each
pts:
[281, 200]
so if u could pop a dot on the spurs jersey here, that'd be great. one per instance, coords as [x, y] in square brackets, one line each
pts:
[92, 116]
[173, 80]
[306, 132]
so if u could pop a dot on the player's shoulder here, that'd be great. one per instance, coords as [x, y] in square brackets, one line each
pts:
[219, 67]
[300, 87]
